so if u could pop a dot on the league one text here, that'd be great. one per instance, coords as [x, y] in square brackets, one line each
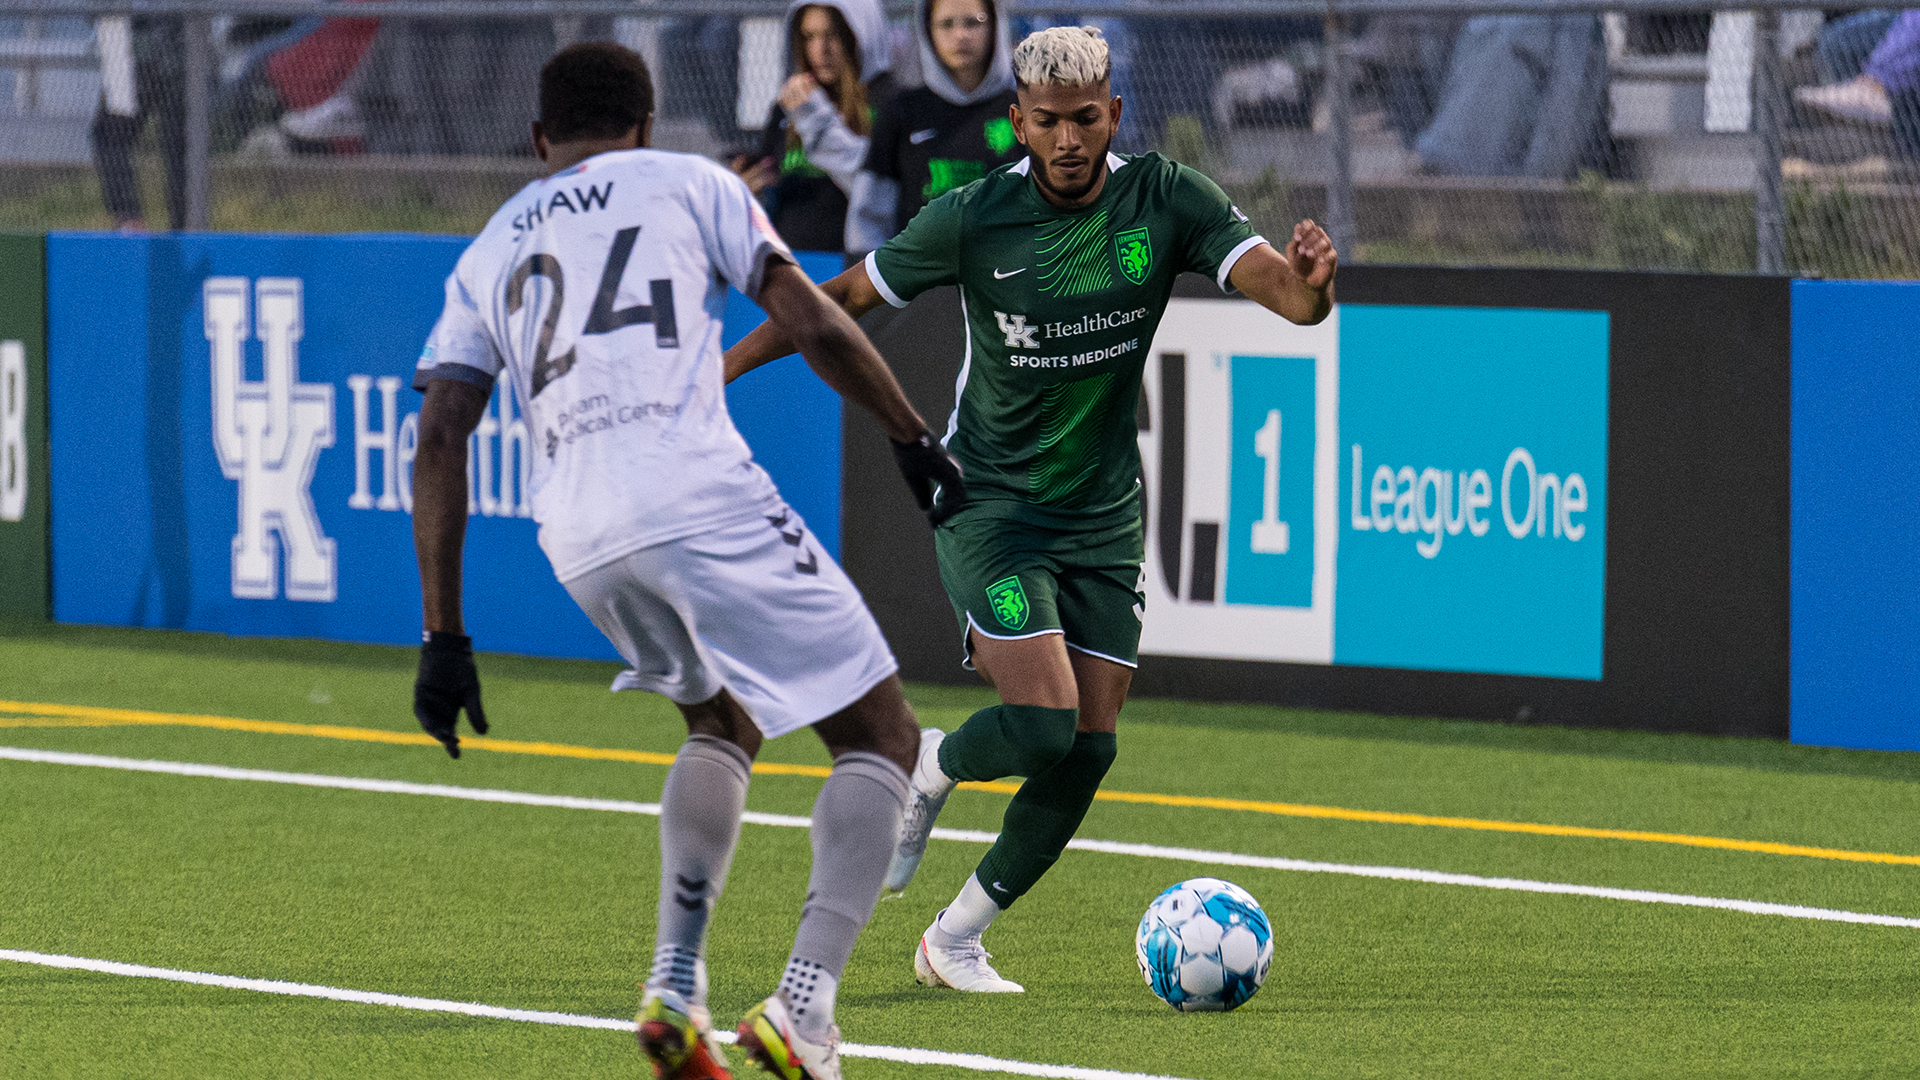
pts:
[268, 436]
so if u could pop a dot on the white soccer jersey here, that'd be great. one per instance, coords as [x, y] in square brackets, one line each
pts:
[600, 291]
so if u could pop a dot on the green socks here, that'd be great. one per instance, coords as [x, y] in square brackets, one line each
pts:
[1043, 816]
[1010, 740]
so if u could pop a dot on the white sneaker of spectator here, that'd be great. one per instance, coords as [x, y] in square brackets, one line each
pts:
[335, 118]
[1860, 99]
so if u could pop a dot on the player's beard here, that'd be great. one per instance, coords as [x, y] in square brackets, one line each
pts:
[1041, 176]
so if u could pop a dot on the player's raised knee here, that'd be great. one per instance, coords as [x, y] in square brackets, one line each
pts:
[1041, 736]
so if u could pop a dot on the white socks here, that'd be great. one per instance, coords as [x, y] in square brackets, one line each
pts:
[810, 990]
[677, 968]
[968, 916]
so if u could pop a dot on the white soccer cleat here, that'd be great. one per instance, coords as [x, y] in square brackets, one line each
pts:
[930, 788]
[774, 1042]
[960, 967]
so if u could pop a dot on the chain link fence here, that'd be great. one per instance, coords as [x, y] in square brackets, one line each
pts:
[1477, 132]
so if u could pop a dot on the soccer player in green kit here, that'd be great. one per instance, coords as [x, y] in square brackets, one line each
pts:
[1065, 262]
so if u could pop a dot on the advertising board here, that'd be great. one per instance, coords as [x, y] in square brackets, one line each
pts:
[237, 427]
[1856, 572]
[1644, 583]
[23, 428]
[1398, 487]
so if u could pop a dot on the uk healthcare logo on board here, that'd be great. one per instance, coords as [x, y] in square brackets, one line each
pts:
[1396, 487]
[250, 422]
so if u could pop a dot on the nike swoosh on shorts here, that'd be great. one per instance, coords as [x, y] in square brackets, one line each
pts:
[998, 276]
[919, 137]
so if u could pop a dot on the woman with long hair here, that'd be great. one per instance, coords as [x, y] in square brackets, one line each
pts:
[946, 134]
[817, 131]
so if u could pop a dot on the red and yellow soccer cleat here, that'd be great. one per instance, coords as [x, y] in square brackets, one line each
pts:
[770, 1037]
[678, 1039]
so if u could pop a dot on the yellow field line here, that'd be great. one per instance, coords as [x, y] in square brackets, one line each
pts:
[38, 714]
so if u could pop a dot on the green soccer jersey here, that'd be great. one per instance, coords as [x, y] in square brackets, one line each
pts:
[1061, 307]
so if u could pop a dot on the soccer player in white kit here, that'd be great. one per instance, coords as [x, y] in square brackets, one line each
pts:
[599, 290]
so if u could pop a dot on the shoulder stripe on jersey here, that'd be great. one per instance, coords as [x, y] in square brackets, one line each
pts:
[1226, 264]
[472, 376]
[880, 283]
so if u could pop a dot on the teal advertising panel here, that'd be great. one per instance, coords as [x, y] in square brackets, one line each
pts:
[1398, 487]
[1472, 534]
[23, 428]
[1270, 525]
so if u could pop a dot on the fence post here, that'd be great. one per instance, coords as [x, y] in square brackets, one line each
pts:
[1341, 226]
[198, 30]
[1769, 210]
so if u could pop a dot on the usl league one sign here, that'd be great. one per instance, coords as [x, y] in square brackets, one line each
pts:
[1395, 487]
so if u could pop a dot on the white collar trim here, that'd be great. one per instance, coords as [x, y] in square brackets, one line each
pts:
[1024, 167]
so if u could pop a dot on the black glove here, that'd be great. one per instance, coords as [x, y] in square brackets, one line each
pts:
[447, 681]
[925, 463]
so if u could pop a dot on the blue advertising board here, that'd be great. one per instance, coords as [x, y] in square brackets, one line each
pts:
[1473, 538]
[1856, 571]
[1401, 487]
[234, 430]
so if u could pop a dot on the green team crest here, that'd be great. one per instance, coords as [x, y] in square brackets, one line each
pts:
[1136, 254]
[1009, 602]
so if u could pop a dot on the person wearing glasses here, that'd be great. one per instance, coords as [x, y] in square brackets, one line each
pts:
[954, 130]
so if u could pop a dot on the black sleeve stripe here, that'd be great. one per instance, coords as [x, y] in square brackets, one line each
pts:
[472, 376]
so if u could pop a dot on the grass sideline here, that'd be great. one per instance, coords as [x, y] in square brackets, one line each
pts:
[551, 909]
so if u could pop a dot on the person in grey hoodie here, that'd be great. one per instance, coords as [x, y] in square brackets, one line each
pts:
[946, 134]
[816, 133]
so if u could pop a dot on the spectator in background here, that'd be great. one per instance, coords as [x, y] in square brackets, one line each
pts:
[1872, 62]
[1526, 95]
[1411, 55]
[946, 134]
[816, 135]
[141, 62]
[314, 79]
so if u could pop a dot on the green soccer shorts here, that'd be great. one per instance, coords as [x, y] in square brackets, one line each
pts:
[1010, 579]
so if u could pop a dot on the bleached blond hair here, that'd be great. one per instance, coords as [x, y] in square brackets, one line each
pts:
[1062, 56]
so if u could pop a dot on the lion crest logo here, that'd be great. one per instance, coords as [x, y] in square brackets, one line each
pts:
[1135, 251]
[1009, 602]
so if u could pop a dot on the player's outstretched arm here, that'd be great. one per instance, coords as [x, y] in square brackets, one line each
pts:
[447, 680]
[837, 351]
[770, 341]
[1297, 285]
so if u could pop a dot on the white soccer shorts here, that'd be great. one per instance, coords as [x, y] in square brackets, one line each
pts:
[756, 608]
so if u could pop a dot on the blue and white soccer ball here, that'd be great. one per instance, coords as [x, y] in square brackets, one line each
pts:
[1204, 946]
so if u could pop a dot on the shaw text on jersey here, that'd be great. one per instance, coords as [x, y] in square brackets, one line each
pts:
[548, 205]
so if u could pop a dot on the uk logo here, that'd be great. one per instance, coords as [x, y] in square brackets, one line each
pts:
[268, 436]
[1019, 334]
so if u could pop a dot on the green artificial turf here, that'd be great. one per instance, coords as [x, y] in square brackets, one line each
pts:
[545, 908]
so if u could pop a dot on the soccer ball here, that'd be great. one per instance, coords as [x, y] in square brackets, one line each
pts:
[1204, 946]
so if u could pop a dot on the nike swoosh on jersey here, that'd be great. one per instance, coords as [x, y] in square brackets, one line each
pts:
[998, 276]
[919, 137]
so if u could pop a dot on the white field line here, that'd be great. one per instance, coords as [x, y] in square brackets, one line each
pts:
[906, 1055]
[1109, 847]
